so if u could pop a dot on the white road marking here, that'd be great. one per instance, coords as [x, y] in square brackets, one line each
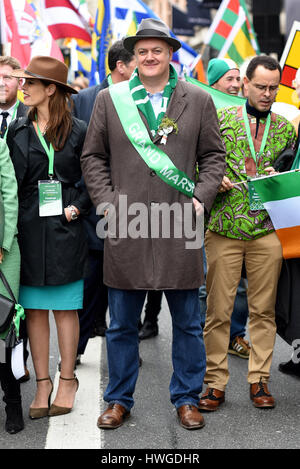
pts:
[78, 429]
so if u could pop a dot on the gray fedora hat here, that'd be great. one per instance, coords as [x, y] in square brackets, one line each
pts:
[151, 28]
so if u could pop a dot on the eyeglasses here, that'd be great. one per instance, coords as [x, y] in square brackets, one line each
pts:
[263, 88]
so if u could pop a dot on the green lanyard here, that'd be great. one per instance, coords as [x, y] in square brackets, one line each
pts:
[49, 151]
[12, 118]
[249, 136]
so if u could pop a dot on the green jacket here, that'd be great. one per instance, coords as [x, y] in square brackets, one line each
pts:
[8, 221]
[230, 215]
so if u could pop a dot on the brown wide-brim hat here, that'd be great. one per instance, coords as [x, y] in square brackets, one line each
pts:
[46, 68]
[151, 28]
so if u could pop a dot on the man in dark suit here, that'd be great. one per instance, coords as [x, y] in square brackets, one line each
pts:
[11, 108]
[121, 64]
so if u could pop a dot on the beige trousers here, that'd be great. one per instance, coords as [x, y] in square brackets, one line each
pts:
[225, 256]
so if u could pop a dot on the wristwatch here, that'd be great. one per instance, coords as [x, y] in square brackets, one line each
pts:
[74, 215]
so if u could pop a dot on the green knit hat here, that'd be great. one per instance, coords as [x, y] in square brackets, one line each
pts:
[217, 68]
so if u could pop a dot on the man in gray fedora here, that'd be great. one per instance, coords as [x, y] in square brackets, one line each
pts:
[145, 139]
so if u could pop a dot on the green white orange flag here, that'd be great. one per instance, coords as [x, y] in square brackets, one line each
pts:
[231, 32]
[280, 195]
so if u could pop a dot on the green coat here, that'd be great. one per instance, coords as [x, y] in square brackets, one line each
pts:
[8, 222]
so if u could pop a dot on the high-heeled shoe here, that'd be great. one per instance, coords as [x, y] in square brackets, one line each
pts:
[58, 410]
[40, 412]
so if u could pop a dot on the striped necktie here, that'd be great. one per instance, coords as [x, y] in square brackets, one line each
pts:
[4, 123]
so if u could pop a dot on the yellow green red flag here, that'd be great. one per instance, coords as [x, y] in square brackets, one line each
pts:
[231, 32]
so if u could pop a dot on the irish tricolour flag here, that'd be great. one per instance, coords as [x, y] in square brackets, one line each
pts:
[280, 195]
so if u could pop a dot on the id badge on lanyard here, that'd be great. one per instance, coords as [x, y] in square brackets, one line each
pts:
[50, 191]
[254, 199]
[50, 198]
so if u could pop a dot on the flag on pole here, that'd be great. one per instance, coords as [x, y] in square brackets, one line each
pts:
[64, 20]
[220, 99]
[34, 31]
[5, 33]
[101, 42]
[20, 48]
[232, 33]
[280, 195]
[121, 18]
[82, 9]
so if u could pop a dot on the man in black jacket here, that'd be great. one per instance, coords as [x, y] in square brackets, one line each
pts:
[10, 106]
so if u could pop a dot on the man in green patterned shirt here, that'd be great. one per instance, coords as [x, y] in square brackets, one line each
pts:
[238, 232]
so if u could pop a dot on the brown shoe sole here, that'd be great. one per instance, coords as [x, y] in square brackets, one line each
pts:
[264, 406]
[193, 427]
[209, 409]
[108, 426]
[233, 352]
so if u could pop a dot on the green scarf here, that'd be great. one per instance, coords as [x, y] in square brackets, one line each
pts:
[142, 100]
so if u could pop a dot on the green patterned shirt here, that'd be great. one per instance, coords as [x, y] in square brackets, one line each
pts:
[231, 215]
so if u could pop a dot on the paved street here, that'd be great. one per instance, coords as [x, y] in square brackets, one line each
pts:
[153, 423]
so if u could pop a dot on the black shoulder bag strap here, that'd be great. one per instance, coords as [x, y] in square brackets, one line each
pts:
[6, 284]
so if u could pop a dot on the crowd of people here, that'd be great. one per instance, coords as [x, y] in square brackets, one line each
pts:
[68, 159]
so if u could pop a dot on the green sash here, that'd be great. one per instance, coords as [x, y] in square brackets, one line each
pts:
[138, 135]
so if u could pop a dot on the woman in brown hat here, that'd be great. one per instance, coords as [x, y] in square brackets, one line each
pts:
[45, 148]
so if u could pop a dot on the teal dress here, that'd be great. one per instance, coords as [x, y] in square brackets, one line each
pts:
[53, 253]
[55, 297]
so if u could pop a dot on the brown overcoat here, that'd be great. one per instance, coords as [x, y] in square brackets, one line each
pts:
[111, 166]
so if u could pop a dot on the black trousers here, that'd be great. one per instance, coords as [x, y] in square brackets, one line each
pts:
[95, 300]
[153, 305]
[9, 384]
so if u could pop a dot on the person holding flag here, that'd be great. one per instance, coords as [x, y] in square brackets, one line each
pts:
[240, 230]
[113, 168]
[224, 75]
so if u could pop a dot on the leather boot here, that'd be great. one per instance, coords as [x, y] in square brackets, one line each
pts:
[14, 416]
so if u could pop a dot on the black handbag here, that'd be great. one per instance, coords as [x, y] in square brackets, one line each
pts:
[7, 306]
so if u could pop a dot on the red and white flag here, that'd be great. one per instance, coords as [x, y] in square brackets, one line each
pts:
[64, 20]
[41, 40]
[20, 47]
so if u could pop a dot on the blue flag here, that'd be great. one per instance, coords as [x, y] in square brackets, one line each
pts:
[101, 42]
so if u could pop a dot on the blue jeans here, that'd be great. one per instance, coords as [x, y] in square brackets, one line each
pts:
[240, 311]
[188, 352]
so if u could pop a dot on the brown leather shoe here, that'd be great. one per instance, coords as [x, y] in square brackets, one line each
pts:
[190, 417]
[211, 399]
[261, 396]
[113, 417]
